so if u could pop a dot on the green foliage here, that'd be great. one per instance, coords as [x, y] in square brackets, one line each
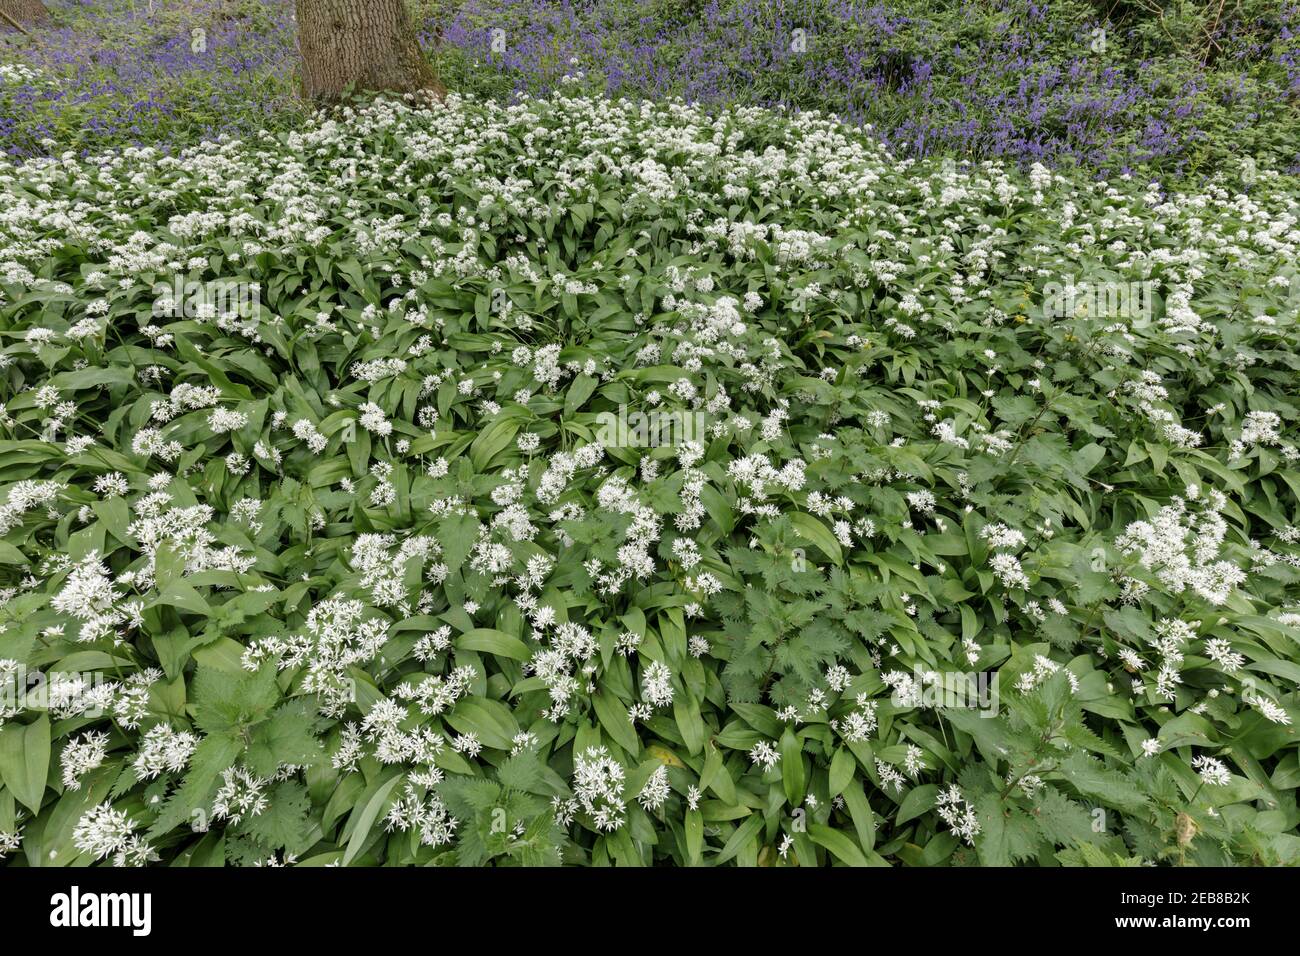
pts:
[945, 559]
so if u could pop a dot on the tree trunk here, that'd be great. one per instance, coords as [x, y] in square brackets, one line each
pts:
[364, 44]
[21, 13]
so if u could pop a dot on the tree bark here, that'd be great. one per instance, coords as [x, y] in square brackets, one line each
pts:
[21, 13]
[363, 44]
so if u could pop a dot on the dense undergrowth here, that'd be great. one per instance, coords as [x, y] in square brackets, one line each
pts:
[589, 482]
[1184, 89]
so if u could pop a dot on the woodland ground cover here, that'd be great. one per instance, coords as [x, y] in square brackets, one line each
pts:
[601, 482]
[1183, 88]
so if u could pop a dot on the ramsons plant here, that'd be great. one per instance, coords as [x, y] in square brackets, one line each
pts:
[318, 549]
[1175, 88]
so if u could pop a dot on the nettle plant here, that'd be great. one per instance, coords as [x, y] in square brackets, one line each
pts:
[346, 569]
